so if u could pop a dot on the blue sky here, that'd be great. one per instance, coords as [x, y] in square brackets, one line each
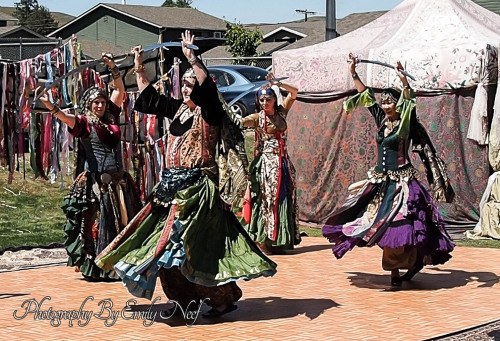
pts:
[242, 11]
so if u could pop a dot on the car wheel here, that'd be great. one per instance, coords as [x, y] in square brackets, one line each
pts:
[239, 109]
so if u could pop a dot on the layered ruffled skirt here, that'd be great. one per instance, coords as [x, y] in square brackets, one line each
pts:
[188, 239]
[95, 213]
[391, 214]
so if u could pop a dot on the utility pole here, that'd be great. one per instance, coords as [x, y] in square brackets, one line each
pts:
[305, 12]
[331, 20]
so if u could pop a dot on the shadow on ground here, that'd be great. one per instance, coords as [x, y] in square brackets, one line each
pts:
[443, 279]
[10, 295]
[311, 248]
[494, 335]
[250, 309]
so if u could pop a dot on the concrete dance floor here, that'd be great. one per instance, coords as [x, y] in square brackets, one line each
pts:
[313, 296]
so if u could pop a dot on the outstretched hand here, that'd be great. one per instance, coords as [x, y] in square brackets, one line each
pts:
[44, 98]
[138, 52]
[187, 39]
[107, 58]
[271, 79]
[352, 65]
[398, 68]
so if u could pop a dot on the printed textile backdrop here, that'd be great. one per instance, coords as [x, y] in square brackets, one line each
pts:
[331, 150]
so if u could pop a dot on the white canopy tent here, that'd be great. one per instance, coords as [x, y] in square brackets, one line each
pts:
[445, 44]
[449, 46]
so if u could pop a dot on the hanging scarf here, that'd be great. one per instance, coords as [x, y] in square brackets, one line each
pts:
[67, 67]
[3, 73]
[50, 75]
[47, 142]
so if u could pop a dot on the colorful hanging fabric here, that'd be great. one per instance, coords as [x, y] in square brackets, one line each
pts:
[50, 71]
[68, 66]
[176, 80]
[47, 141]
[34, 133]
[3, 77]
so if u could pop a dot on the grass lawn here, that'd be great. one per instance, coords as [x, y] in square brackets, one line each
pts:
[30, 211]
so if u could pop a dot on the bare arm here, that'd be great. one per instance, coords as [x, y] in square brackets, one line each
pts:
[69, 119]
[118, 86]
[140, 74]
[404, 80]
[199, 70]
[352, 68]
[291, 89]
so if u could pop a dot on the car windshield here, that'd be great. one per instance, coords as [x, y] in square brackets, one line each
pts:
[253, 75]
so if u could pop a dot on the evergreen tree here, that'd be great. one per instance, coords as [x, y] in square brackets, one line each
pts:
[35, 17]
[24, 9]
[177, 3]
[41, 21]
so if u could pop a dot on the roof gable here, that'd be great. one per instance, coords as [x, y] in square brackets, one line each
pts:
[160, 17]
[283, 28]
[16, 31]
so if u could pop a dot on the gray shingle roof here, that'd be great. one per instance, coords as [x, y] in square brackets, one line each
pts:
[7, 29]
[6, 15]
[93, 48]
[188, 18]
[268, 48]
[345, 25]
[314, 28]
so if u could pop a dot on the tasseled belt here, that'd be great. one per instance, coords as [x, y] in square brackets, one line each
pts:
[405, 173]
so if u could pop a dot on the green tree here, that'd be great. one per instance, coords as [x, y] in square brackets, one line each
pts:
[24, 9]
[177, 3]
[35, 17]
[242, 42]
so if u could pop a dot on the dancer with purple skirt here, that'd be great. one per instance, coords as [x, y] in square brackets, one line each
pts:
[391, 208]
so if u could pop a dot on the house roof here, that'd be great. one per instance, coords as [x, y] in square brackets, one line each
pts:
[6, 16]
[161, 17]
[9, 30]
[284, 28]
[313, 29]
[316, 31]
[267, 48]
[94, 48]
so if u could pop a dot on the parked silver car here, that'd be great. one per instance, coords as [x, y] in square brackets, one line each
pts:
[234, 80]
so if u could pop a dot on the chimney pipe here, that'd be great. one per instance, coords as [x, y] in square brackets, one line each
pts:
[331, 20]
[124, 2]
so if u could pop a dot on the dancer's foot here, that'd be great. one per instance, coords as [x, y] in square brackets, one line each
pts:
[395, 279]
[415, 269]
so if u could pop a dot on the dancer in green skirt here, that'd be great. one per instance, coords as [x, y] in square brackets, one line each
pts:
[187, 235]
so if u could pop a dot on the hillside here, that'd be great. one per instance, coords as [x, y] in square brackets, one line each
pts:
[61, 18]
